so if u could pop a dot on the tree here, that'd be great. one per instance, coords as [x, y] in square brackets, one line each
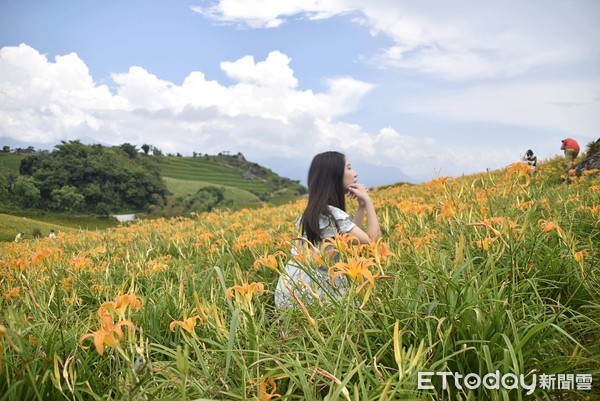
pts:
[146, 149]
[80, 177]
[26, 191]
[102, 209]
[6, 148]
[67, 198]
[129, 149]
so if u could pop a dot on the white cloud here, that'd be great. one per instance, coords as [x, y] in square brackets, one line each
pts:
[273, 72]
[263, 114]
[454, 40]
[567, 106]
[45, 101]
[270, 13]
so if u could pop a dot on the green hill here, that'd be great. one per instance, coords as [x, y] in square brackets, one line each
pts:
[244, 181]
[244, 184]
[11, 161]
[239, 196]
[11, 225]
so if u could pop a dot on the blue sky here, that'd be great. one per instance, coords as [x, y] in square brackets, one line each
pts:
[406, 89]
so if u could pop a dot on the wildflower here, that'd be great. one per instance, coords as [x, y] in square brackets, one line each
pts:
[13, 293]
[524, 205]
[107, 334]
[78, 263]
[269, 261]
[342, 243]
[448, 210]
[414, 207]
[264, 385]
[246, 291]
[357, 269]
[485, 243]
[311, 321]
[380, 250]
[579, 255]
[306, 253]
[547, 226]
[520, 170]
[187, 324]
[123, 302]
[440, 181]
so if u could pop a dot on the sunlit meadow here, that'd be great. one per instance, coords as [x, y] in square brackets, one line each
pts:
[497, 271]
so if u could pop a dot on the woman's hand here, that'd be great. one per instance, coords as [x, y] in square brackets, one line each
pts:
[360, 192]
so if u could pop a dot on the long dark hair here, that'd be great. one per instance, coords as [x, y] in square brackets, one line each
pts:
[325, 187]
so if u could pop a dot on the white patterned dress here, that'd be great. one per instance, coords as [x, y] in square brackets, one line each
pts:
[297, 277]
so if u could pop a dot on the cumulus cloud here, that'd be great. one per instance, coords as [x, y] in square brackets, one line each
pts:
[44, 101]
[263, 113]
[455, 40]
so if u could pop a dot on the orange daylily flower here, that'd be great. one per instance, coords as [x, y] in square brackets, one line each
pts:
[380, 251]
[579, 255]
[269, 261]
[342, 243]
[123, 302]
[13, 293]
[440, 181]
[246, 291]
[357, 269]
[485, 243]
[187, 324]
[108, 334]
[547, 226]
[520, 170]
[263, 394]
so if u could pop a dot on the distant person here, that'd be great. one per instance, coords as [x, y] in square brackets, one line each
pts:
[52, 234]
[19, 237]
[571, 148]
[330, 179]
[530, 158]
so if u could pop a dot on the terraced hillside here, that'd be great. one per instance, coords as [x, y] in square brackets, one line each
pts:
[228, 172]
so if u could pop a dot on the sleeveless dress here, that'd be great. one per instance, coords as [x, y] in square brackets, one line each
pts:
[306, 282]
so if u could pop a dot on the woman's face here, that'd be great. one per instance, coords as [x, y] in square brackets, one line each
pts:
[350, 175]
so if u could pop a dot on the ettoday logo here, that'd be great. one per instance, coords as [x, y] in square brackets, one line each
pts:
[509, 381]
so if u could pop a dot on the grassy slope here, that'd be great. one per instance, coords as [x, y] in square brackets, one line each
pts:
[10, 161]
[207, 170]
[182, 187]
[212, 171]
[12, 225]
[522, 306]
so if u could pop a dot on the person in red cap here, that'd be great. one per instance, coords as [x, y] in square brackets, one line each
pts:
[571, 148]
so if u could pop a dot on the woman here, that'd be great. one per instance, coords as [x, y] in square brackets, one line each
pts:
[330, 178]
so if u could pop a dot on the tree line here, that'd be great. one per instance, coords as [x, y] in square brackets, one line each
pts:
[85, 178]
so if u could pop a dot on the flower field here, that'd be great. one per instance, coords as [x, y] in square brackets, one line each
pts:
[493, 272]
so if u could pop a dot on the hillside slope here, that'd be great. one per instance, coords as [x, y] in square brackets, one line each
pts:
[494, 273]
[234, 172]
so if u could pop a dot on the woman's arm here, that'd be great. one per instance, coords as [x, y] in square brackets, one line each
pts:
[365, 208]
[359, 217]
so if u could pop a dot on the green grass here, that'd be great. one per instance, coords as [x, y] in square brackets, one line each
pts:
[11, 161]
[208, 170]
[239, 196]
[527, 304]
[12, 225]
